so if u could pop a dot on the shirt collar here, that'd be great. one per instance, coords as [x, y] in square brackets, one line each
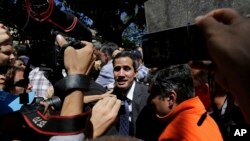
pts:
[131, 91]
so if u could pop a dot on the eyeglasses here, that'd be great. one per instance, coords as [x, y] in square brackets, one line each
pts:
[22, 83]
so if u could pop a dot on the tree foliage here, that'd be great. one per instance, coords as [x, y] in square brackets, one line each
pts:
[108, 16]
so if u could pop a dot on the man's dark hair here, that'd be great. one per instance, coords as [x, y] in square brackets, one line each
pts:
[201, 76]
[109, 48]
[22, 49]
[177, 78]
[127, 54]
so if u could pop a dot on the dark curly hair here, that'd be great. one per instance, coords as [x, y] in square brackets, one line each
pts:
[177, 78]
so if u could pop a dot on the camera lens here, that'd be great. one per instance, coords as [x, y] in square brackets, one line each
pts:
[54, 101]
[38, 99]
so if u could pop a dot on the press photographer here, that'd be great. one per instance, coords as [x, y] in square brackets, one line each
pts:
[58, 20]
[27, 108]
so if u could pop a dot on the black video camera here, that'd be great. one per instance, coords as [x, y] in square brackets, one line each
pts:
[174, 46]
[46, 20]
[54, 102]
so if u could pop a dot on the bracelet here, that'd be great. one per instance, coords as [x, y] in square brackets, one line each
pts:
[70, 83]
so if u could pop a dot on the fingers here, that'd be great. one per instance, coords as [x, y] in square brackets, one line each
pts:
[225, 15]
[46, 106]
[77, 61]
[116, 107]
[217, 19]
[60, 40]
[102, 102]
[208, 25]
[3, 26]
[107, 103]
[109, 92]
[104, 114]
[111, 102]
[88, 46]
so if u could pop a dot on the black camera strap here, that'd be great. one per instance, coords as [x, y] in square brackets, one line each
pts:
[58, 125]
[54, 125]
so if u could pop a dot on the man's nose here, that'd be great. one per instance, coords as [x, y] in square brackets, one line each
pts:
[121, 72]
[12, 56]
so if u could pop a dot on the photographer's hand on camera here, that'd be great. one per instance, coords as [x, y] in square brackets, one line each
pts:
[227, 34]
[76, 62]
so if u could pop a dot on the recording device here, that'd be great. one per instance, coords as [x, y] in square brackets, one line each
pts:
[39, 22]
[59, 51]
[54, 102]
[174, 46]
[52, 124]
[46, 11]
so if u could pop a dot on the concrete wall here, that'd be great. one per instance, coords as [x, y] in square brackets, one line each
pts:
[164, 14]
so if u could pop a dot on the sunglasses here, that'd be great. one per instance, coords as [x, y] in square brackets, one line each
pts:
[22, 83]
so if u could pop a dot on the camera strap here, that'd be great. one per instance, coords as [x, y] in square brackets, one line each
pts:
[43, 16]
[54, 125]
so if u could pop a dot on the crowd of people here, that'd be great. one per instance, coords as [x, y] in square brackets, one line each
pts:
[119, 98]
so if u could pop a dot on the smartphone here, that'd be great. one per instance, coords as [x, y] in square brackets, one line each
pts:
[174, 46]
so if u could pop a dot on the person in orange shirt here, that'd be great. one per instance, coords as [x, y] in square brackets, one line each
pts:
[185, 117]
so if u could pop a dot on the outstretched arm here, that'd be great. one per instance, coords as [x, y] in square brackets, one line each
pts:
[74, 64]
[227, 34]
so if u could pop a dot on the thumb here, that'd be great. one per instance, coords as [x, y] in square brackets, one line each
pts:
[109, 92]
[60, 40]
[206, 22]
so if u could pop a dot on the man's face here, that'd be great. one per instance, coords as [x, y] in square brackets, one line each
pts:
[7, 55]
[161, 105]
[20, 89]
[104, 58]
[124, 73]
[97, 52]
[19, 63]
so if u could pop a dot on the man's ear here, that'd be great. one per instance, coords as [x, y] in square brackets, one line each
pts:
[136, 73]
[172, 97]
